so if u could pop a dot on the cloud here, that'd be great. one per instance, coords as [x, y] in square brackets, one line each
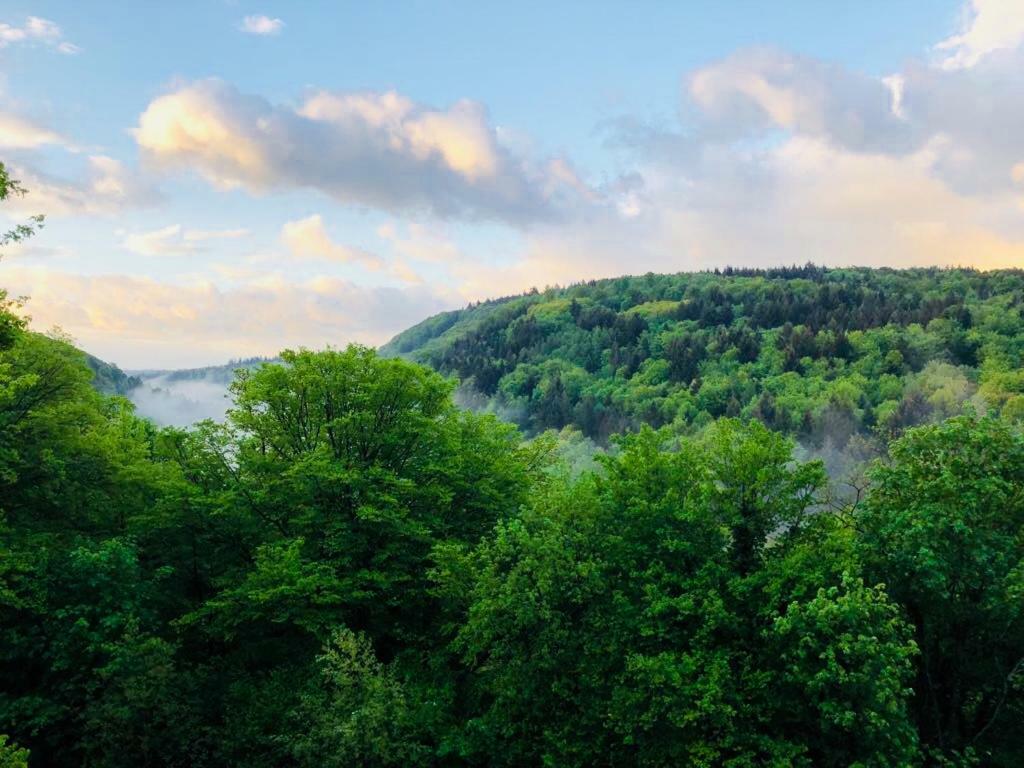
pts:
[36, 30]
[140, 322]
[988, 26]
[194, 235]
[167, 240]
[18, 132]
[780, 158]
[106, 187]
[261, 25]
[308, 238]
[381, 150]
[971, 117]
[761, 89]
[173, 239]
[421, 242]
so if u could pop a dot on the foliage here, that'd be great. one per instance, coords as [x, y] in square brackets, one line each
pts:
[821, 354]
[10, 187]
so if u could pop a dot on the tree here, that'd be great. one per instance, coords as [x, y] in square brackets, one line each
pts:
[941, 528]
[11, 755]
[12, 187]
[660, 615]
[355, 712]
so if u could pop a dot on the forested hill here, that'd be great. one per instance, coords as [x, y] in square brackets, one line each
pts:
[109, 379]
[810, 351]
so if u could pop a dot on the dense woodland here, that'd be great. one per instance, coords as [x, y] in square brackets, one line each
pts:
[355, 571]
[816, 353]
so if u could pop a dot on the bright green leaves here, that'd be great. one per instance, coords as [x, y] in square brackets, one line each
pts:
[847, 661]
[643, 618]
[356, 711]
[363, 409]
[11, 755]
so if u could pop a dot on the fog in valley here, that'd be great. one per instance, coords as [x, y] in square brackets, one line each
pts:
[183, 397]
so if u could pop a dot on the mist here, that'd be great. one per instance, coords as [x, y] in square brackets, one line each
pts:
[181, 398]
[180, 403]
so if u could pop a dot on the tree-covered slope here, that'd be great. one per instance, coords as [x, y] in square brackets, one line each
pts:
[810, 351]
[109, 379]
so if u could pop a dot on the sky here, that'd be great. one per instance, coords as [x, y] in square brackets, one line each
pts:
[226, 179]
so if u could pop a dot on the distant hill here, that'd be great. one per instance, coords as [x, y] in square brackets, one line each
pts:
[109, 379]
[819, 353]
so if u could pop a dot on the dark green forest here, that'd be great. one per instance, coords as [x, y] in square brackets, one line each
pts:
[819, 354]
[354, 570]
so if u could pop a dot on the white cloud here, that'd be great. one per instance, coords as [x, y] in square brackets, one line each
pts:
[159, 242]
[194, 235]
[173, 239]
[376, 149]
[106, 187]
[988, 26]
[971, 116]
[421, 242]
[785, 159]
[308, 238]
[36, 30]
[18, 132]
[261, 25]
[761, 89]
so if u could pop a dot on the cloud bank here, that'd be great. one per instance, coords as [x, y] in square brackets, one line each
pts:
[380, 150]
[138, 320]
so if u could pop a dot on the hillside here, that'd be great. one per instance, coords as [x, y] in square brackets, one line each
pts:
[109, 379]
[814, 352]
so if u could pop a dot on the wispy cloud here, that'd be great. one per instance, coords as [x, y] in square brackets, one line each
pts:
[39, 31]
[308, 238]
[105, 187]
[173, 239]
[261, 25]
[18, 132]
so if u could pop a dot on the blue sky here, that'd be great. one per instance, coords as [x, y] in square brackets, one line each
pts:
[228, 178]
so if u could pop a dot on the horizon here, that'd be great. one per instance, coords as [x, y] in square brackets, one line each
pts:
[262, 176]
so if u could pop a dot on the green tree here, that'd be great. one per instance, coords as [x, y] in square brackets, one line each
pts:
[356, 712]
[10, 187]
[657, 615]
[942, 529]
[11, 755]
